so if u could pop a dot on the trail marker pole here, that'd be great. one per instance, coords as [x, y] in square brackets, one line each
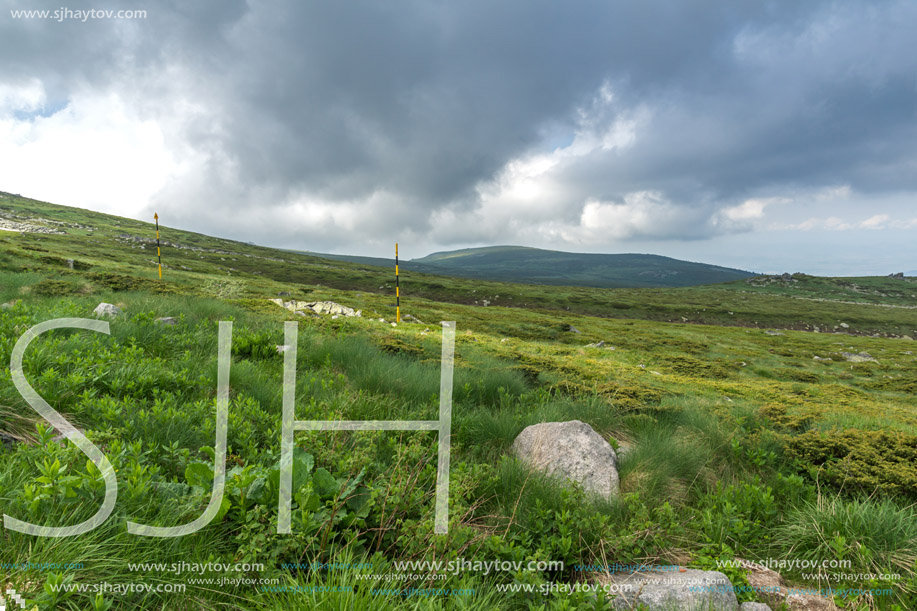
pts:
[158, 250]
[397, 289]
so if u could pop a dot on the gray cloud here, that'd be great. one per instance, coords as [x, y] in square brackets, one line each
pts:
[338, 124]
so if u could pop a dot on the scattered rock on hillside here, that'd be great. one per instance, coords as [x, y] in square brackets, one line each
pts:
[769, 332]
[570, 450]
[284, 294]
[691, 590]
[317, 307]
[860, 357]
[844, 325]
[330, 307]
[167, 320]
[106, 309]
[596, 345]
[571, 329]
[411, 318]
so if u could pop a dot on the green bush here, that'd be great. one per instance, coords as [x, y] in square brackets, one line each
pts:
[860, 460]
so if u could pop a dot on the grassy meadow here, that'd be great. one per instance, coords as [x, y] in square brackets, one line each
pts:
[743, 430]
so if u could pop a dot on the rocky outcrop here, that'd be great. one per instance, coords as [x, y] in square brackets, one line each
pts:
[570, 450]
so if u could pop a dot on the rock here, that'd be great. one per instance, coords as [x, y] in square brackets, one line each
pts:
[70, 263]
[410, 318]
[6, 306]
[754, 607]
[106, 309]
[809, 602]
[284, 294]
[860, 357]
[769, 332]
[570, 450]
[330, 307]
[768, 583]
[167, 320]
[571, 329]
[899, 275]
[8, 441]
[596, 345]
[844, 325]
[691, 590]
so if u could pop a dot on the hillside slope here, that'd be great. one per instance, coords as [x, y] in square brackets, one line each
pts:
[732, 441]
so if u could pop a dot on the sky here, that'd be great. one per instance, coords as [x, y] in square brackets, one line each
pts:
[771, 136]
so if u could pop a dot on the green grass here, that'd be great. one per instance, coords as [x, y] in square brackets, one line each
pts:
[733, 442]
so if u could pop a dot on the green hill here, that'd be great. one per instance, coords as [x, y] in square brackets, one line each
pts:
[536, 266]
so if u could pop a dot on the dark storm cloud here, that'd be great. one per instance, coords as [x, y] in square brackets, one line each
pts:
[398, 110]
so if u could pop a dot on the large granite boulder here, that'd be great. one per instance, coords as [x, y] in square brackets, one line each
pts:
[570, 450]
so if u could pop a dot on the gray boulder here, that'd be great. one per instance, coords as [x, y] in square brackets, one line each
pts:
[106, 309]
[754, 607]
[691, 590]
[570, 450]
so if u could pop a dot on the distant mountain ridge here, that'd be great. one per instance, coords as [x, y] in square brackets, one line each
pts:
[553, 267]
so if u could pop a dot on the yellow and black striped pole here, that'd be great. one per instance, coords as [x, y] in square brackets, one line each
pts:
[158, 250]
[397, 289]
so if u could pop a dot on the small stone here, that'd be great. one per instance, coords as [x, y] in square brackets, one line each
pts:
[754, 607]
[106, 309]
[284, 294]
[809, 602]
[167, 320]
[769, 332]
[844, 325]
